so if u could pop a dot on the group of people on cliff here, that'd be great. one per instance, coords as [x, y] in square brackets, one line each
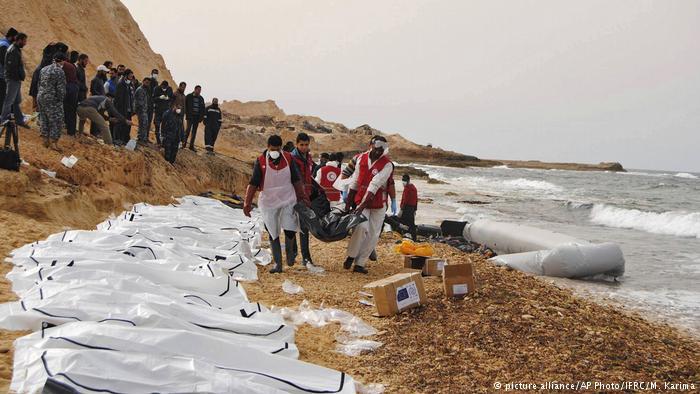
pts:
[64, 100]
[287, 175]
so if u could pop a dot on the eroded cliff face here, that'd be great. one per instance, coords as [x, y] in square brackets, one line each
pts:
[104, 29]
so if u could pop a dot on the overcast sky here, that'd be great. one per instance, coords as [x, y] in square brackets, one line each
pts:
[583, 81]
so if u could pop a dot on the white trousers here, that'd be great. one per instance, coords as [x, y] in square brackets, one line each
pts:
[366, 235]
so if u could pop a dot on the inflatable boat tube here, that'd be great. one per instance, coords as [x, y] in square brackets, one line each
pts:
[507, 238]
[568, 261]
[543, 252]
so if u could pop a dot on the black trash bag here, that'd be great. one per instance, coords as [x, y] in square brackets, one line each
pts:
[331, 227]
[319, 201]
[428, 231]
[453, 228]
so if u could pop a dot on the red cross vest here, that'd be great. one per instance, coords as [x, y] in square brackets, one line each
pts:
[279, 166]
[328, 176]
[307, 170]
[365, 176]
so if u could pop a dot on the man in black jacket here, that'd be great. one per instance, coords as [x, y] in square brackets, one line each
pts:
[162, 96]
[4, 46]
[123, 101]
[14, 75]
[154, 85]
[83, 61]
[194, 111]
[212, 124]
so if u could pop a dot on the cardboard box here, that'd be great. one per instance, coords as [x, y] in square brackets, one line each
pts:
[414, 262]
[458, 280]
[434, 267]
[398, 293]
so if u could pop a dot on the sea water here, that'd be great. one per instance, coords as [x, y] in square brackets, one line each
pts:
[654, 216]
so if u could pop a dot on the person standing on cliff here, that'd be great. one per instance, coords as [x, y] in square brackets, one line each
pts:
[368, 192]
[162, 97]
[14, 75]
[124, 103]
[170, 129]
[409, 205]
[80, 65]
[194, 105]
[279, 181]
[212, 124]
[154, 85]
[5, 44]
[181, 100]
[50, 98]
[141, 104]
[70, 102]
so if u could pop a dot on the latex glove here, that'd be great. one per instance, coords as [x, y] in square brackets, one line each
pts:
[368, 197]
[393, 206]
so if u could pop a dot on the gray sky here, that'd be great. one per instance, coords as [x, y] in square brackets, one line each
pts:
[557, 80]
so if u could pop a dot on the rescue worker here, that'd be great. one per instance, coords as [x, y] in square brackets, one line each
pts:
[409, 205]
[162, 95]
[322, 160]
[279, 180]
[50, 96]
[326, 177]
[170, 127]
[306, 165]
[141, 105]
[368, 191]
[212, 124]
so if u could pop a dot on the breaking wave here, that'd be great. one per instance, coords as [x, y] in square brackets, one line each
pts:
[681, 224]
[686, 175]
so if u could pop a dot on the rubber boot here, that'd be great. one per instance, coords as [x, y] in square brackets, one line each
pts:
[276, 256]
[373, 256]
[290, 246]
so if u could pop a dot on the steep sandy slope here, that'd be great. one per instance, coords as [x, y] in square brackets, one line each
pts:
[104, 29]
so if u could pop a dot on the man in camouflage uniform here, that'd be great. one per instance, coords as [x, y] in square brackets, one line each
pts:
[141, 105]
[52, 91]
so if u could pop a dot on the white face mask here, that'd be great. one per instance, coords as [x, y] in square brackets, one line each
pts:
[154, 76]
[405, 183]
[177, 111]
[128, 81]
[274, 155]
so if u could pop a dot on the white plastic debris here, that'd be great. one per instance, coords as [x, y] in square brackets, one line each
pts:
[131, 145]
[353, 347]
[290, 287]
[372, 388]
[305, 314]
[315, 269]
[24, 163]
[69, 161]
[50, 174]
[366, 302]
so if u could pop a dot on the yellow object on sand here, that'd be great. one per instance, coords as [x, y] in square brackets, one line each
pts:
[407, 247]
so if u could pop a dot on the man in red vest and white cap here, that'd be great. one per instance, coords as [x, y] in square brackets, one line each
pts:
[279, 180]
[368, 192]
[326, 177]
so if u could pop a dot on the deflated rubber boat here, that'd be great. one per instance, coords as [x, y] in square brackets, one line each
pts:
[151, 301]
[543, 252]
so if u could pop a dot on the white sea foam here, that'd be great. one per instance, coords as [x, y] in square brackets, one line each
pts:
[682, 224]
[686, 175]
[505, 167]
